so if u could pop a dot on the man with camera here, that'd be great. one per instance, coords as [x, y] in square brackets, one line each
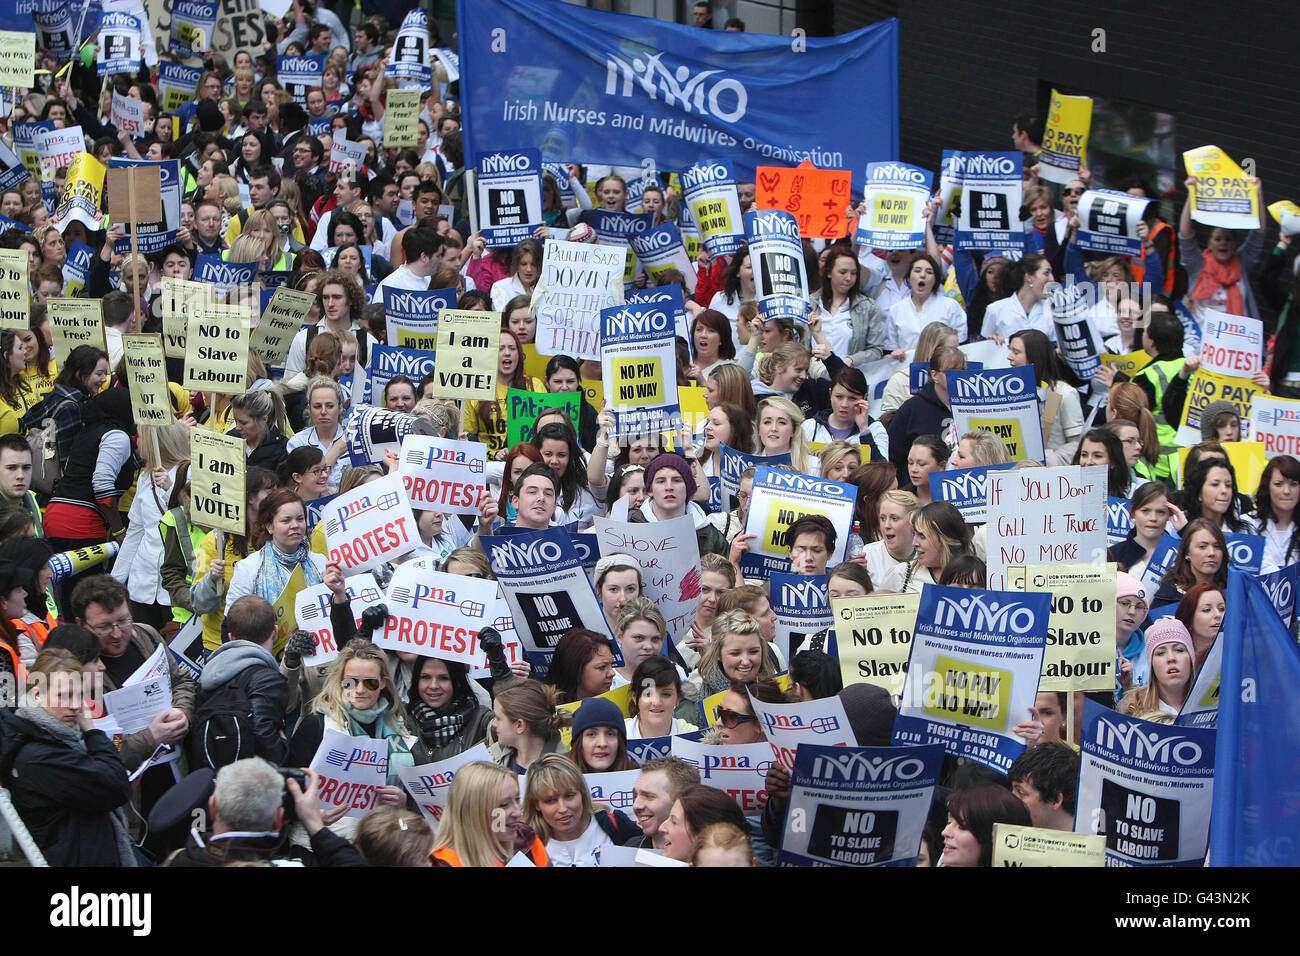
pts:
[252, 806]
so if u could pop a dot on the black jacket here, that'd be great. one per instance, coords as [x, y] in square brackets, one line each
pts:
[64, 796]
[254, 671]
[268, 454]
[328, 849]
[922, 414]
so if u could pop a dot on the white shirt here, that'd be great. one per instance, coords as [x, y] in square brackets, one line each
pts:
[879, 563]
[1006, 317]
[838, 327]
[890, 292]
[113, 340]
[1277, 541]
[308, 436]
[140, 569]
[320, 238]
[399, 278]
[296, 360]
[503, 290]
[895, 576]
[584, 851]
[634, 727]
[903, 323]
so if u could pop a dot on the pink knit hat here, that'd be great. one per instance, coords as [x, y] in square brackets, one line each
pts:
[1128, 586]
[1168, 630]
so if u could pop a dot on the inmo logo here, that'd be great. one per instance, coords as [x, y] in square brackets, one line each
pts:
[1130, 740]
[1240, 552]
[961, 487]
[988, 386]
[505, 163]
[725, 99]
[509, 554]
[972, 613]
[857, 768]
[702, 174]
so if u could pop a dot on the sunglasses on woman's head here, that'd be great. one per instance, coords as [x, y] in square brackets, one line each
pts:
[372, 683]
[731, 719]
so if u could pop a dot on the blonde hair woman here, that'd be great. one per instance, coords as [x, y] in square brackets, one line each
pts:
[780, 431]
[839, 459]
[979, 449]
[894, 548]
[558, 806]
[482, 824]
[940, 534]
[736, 655]
[898, 388]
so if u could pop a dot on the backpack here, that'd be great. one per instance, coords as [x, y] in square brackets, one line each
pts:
[42, 439]
[222, 729]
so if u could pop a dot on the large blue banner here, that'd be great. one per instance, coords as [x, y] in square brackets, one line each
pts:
[595, 87]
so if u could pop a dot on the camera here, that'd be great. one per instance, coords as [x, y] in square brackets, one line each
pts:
[292, 773]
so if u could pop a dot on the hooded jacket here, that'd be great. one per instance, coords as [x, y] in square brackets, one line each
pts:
[254, 670]
[709, 538]
[922, 414]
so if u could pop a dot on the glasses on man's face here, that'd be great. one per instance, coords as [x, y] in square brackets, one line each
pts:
[1076, 191]
[371, 683]
[122, 624]
[1132, 604]
[731, 719]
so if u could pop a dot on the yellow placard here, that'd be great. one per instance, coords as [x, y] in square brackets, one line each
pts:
[75, 322]
[637, 381]
[1248, 460]
[1222, 195]
[593, 393]
[15, 290]
[1080, 652]
[1206, 387]
[1033, 846]
[178, 299]
[889, 210]
[1065, 137]
[216, 354]
[874, 638]
[1129, 364]
[535, 364]
[174, 99]
[1007, 429]
[969, 693]
[217, 465]
[1283, 207]
[17, 59]
[465, 362]
[712, 218]
[621, 696]
[780, 515]
[284, 316]
[83, 193]
[146, 377]
[401, 118]
[286, 617]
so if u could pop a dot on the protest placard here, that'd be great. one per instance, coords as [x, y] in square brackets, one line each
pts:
[1231, 344]
[83, 190]
[1119, 522]
[217, 464]
[412, 58]
[15, 289]
[895, 198]
[859, 806]
[1003, 401]
[25, 143]
[817, 198]
[428, 783]
[1076, 335]
[1282, 587]
[735, 462]
[1108, 222]
[13, 172]
[1033, 846]
[373, 432]
[638, 363]
[312, 612]
[1245, 551]
[992, 193]
[1276, 423]
[802, 609]
[442, 474]
[298, 74]
[778, 499]
[411, 316]
[1222, 195]
[465, 363]
[177, 83]
[351, 769]
[127, 115]
[401, 118]
[436, 615]
[1147, 788]
[670, 299]
[1045, 515]
[822, 723]
[370, 525]
[17, 59]
[776, 254]
[966, 489]
[146, 376]
[120, 38]
[509, 196]
[283, 316]
[662, 250]
[1206, 387]
[1080, 649]
[578, 280]
[193, 24]
[669, 555]
[874, 635]
[1201, 708]
[223, 275]
[618, 229]
[178, 300]
[739, 770]
[347, 156]
[709, 191]
[974, 670]
[387, 361]
[1064, 149]
[216, 355]
[613, 788]
[648, 748]
[547, 589]
[523, 407]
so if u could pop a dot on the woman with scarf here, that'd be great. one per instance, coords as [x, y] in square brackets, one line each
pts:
[358, 699]
[443, 708]
[1218, 276]
[280, 546]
